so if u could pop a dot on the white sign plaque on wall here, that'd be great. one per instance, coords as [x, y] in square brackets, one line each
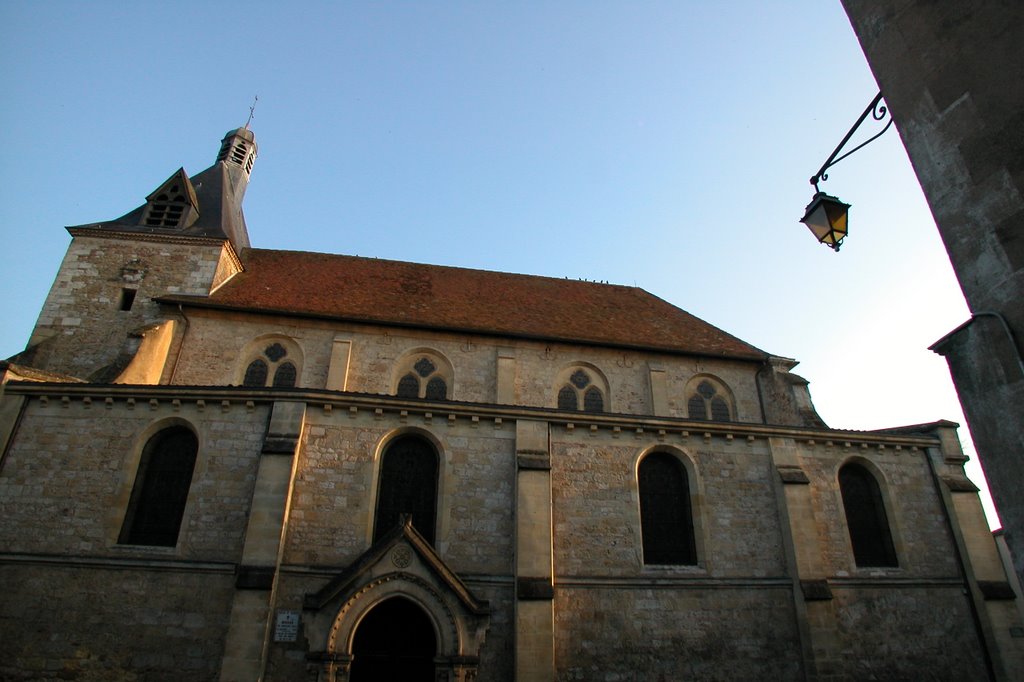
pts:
[286, 628]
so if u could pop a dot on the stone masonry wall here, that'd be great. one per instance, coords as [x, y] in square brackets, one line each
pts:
[71, 465]
[924, 547]
[214, 354]
[81, 322]
[106, 623]
[597, 508]
[69, 473]
[950, 72]
[335, 487]
[907, 633]
[675, 633]
[79, 606]
[287, 660]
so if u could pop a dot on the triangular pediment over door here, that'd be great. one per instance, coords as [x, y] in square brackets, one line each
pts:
[400, 566]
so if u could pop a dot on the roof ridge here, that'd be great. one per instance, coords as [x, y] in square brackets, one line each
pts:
[457, 267]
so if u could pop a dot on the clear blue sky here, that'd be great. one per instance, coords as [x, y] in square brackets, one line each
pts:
[662, 144]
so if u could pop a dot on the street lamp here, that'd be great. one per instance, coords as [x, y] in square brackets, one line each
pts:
[826, 216]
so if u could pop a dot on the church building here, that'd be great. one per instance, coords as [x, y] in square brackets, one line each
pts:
[220, 462]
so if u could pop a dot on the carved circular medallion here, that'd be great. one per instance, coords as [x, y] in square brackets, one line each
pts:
[401, 556]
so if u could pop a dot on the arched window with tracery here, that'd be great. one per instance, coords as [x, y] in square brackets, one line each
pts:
[866, 519]
[407, 485]
[666, 519]
[272, 366]
[709, 401]
[423, 375]
[582, 390]
[161, 488]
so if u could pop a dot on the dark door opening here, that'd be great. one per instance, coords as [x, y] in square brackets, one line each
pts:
[395, 641]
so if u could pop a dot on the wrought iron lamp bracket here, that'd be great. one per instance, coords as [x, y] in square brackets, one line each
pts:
[878, 112]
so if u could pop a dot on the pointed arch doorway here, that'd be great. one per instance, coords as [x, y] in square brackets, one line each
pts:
[394, 641]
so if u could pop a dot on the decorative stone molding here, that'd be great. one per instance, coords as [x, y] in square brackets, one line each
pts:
[816, 590]
[400, 564]
[254, 577]
[793, 475]
[959, 484]
[534, 589]
[996, 590]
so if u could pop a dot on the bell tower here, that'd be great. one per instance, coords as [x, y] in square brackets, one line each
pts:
[185, 239]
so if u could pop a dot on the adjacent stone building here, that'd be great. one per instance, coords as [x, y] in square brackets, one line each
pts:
[951, 74]
[229, 463]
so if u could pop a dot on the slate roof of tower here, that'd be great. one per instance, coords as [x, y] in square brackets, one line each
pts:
[220, 212]
[477, 301]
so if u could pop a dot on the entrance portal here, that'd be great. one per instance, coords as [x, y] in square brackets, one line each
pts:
[395, 641]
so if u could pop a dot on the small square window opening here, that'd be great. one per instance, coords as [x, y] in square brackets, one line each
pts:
[127, 299]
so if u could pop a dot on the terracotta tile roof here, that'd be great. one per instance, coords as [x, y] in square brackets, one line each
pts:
[478, 301]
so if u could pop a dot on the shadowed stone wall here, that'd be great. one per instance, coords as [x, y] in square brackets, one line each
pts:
[950, 72]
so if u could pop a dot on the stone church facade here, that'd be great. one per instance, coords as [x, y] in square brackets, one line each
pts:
[229, 463]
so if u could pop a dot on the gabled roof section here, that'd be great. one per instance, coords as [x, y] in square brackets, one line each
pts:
[402, 533]
[371, 290]
[173, 204]
[178, 183]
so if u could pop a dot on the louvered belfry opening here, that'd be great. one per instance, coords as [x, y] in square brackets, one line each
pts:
[167, 208]
[237, 150]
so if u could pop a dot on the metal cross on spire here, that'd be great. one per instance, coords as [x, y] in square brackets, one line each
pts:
[251, 110]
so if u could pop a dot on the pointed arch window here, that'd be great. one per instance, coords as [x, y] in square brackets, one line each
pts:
[284, 375]
[274, 366]
[581, 392]
[437, 389]
[408, 485]
[866, 519]
[255, 373]
[709, 401]
[409, 386]
[425, 377]
[161, 489]
[593, 401]
[666, 519]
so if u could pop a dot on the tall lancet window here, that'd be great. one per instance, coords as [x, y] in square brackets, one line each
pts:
[408, 485]
[666, 520]
[866, 518]
[161, 489]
